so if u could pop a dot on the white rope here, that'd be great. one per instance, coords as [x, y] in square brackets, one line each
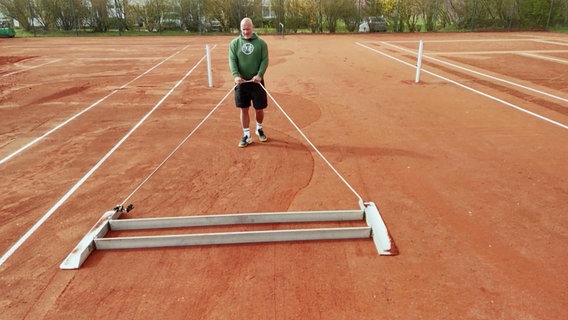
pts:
[313, 146]
[176, 148]
[209, 115]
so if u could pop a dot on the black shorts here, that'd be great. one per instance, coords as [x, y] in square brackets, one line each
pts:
[250, 91]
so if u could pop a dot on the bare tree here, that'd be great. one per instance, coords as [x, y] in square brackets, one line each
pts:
[19, 10]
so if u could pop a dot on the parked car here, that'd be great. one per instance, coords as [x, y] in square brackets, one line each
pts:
[6, 30]
[377, 24]
[215, 25]
[212, 25]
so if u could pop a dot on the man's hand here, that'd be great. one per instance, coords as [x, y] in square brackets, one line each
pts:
[239, 80]
[255, 79]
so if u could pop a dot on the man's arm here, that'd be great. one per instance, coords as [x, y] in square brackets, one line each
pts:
[233, 60]
[263, 61]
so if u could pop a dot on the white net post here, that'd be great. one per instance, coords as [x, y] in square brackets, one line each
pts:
[419, 62]
[209, 76]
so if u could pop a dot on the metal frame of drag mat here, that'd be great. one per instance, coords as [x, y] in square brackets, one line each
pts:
[94, 239]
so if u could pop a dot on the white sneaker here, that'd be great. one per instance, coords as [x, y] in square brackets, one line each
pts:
[261, 136]
[245, 141]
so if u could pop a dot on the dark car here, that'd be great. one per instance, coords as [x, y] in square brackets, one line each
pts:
[377, 24]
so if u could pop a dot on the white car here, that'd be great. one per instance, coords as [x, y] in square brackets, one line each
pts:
[364, 27]
[374, 24]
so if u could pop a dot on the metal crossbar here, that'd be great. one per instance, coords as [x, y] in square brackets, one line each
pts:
[232, 238]
[234, 219]
[94, 239]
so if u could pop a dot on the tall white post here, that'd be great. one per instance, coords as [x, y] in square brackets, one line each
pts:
[209, 76]
[419, 62]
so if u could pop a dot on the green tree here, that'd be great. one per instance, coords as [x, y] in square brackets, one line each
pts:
[333, 10]
[351, 15]
[406, 16]
[63, 14]
[428, 10]
[148, 14]
[294, 18]
[231, 12]
[534, 13]
[190, 15]
[374, 8]
[301, 14]
[99, 18]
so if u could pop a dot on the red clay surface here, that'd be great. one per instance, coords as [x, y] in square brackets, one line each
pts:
[474, 191]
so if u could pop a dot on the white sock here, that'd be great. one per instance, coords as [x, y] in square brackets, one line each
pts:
[246, 132]
[258, 126]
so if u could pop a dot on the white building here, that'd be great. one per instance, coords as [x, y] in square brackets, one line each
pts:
[268, 11]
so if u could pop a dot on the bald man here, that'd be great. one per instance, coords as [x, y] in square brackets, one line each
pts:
[248, 60]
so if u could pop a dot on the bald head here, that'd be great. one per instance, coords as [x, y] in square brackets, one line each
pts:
[247, 28]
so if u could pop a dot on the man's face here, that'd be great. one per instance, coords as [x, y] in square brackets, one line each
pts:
[246, 29]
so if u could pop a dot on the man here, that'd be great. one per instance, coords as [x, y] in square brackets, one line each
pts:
[248, 60]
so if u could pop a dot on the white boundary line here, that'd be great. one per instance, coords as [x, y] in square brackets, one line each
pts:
[30, 68]
[550, 42]
[177, 147]
[464, 40]
[485, 40]
[93, 169]
[538, 56]
[446, 53]
[31, 143]
[469, 88]
[479, 73]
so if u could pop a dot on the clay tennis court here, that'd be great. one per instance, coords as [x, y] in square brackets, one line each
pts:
[468, 168]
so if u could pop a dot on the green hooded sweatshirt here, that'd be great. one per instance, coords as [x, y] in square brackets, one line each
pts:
[248, 57]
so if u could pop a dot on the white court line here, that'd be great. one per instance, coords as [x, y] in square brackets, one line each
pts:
[551, 42]
[93, 169]
[177, 148]
[538, 56]
[116, 59]
[445, 53]
[464, 40]
[469, 88]
[30, 68]
[31, 143]
[481, 74]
